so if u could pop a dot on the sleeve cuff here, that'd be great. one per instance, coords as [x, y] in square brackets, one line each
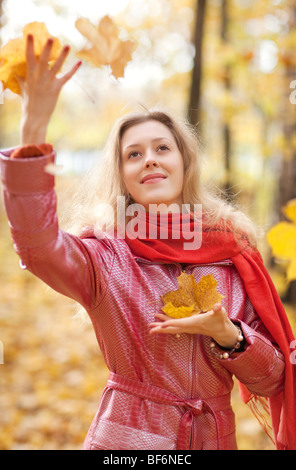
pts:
[26, 175]
[257, 360]
[31, 151]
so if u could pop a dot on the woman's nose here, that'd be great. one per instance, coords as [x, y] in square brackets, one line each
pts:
[150, 160]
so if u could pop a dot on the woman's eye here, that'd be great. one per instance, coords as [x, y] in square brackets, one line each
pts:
[133, 154]
[163, 147]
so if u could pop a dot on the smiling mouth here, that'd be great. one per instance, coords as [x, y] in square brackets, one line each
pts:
[153, 178]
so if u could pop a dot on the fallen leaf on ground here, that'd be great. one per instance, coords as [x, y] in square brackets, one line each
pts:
[191, 297]
[106, 47]
[13, 54]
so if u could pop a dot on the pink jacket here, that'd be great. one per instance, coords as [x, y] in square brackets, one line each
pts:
[164, 392]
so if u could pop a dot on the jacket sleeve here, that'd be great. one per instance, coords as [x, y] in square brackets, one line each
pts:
[261, 366]
[74, 267]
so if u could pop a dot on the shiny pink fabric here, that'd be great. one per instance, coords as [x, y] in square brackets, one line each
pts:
[164, 392]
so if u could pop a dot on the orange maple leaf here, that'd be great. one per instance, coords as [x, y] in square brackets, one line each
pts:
[191, 297]
[13, 54]
[107, 48]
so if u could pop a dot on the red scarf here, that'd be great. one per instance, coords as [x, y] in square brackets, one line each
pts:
[219, 244]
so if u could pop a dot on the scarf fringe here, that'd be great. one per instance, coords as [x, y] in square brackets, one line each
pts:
[260, 409]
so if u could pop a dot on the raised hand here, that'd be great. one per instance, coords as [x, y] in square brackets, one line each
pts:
[40, 90]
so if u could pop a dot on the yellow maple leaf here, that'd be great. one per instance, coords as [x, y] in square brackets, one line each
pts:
[13, 54]
[106, 47]
[177, 312]
[191, 297]
[282, 239]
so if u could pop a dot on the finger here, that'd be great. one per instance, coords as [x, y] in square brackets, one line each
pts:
[217, 307]
[166, 323]
[172, 320]
[180, 322]
[60, 60]
[172, 323]
[156, 324]
[30, 54]
[162, 316]
[172, 330]
[65, 78]
[45, 55]
[153, 331]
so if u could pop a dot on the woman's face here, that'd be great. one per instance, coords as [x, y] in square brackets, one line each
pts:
[152, 166]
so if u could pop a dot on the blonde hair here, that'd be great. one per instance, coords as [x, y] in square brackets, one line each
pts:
[101, 187]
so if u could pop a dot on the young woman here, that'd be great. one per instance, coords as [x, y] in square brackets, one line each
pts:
[170, 379]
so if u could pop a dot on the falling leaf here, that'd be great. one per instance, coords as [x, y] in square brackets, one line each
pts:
[191, 297]
[13, 54]
[282, 239]
[107, 48]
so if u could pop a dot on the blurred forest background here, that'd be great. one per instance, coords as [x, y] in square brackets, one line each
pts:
[228, 65]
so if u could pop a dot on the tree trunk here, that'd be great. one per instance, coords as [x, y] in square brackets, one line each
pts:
[195, 92]
[227, 83]
[287, 180]
[287, 177]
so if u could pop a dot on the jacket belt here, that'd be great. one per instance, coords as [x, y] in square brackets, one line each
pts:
[193, 406]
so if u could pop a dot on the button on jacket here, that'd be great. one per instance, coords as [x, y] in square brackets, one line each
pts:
[164, 391]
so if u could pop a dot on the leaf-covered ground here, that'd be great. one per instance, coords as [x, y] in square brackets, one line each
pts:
[53, 372]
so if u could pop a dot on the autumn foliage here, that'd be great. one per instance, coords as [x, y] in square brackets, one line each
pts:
[13, 54]
[282, 239]
[106, 49]
[191, 298]
[53, 372]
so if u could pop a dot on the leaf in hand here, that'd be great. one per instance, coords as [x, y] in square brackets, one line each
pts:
[107, 48]
[191, 297]
[13, 54]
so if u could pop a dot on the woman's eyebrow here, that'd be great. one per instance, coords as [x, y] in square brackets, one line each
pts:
[153, 140]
